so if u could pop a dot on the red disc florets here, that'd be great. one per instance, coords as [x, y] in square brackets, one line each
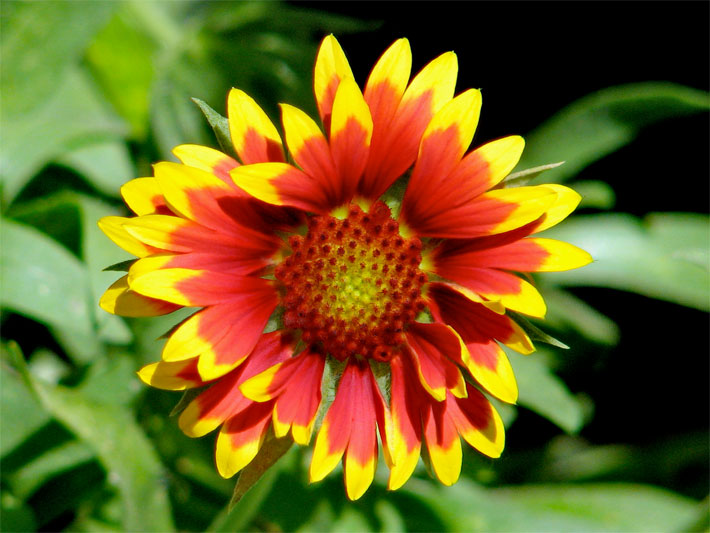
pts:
[352, 285]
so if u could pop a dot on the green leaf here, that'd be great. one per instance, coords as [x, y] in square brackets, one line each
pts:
[130, 461]
[564, 309]
[522, 177]
[105, 165]
[596, 194]
[593, 507]
[665, 256]
[271, 451]
[122, 60]
[20, 411]
[16, 516]
[601, 123]
[73, 115]
[543, 392]
[535, 333]
[41, 279]
[31, 72]
[220, 126]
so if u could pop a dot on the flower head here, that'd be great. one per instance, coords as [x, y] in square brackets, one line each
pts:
[378, 249]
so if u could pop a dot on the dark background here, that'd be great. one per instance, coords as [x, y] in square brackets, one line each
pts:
[530, 60]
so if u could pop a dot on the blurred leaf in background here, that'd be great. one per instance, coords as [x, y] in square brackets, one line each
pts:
[92, 94]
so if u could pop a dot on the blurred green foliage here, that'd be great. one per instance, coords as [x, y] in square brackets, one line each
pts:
[92, 93]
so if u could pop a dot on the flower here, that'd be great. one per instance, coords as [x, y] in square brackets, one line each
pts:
[383, 253]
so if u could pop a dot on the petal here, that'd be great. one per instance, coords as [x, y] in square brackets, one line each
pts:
[478, 422]
[213, 406]
[331, 67]
[144, 196]
[395, 144]
[444, 142]
[241, 438]
[490, 367]
[207, 159]
[114, 228]
[179, 375]
[283, 184]
[119, 299]
[442, 441]
[360, 460]
[254, 136]
[567, 201]
[387, 82]
[496, 211]
[350, 135]
[432, 346]
[406, 429]
[474, 322]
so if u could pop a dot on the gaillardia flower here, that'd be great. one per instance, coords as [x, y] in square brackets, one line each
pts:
[375, 255]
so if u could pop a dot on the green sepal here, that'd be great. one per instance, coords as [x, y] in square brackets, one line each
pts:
[535, 333]
[220, 126]
[518, 179]
[383, 377]
[271, 451]
[187, 396]
[121, 266]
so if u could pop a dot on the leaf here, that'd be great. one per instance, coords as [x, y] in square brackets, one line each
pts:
[73, 115]
[591, 507]
[271, 451]
[535, 333]
[42, 280]
[543, 392]
[665, 256]
[602, 122]
[64, 29]
[564, 309]
[522, 177]
[20, 411]
[131, 463]
[105, 165]
[220, 126]
[596, 194]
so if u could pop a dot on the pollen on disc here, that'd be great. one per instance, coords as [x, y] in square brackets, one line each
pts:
[352, 285]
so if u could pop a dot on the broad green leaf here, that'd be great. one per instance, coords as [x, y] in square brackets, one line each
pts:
[40, 41]
[122, 61]
[16, 515]
[20, 412]
[665, 256]
[596, 194]
[131, 463]
[42, 280]
[601, 123]
[543, 392]
[566, 310]
[105, 165]
[73, 115]
[26, 480]
[565, 508]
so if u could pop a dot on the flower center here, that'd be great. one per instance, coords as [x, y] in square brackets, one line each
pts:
[352, 285]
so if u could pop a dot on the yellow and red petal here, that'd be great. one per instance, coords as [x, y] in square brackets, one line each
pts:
[285, 185]
[566, 201]
[114, 228]
[433, 349]
[119, 299]
[487, 165]
[360, 460]
[442, 441]
[254, 136]
[241, 438]
[490, 367]
[496, 211]
[350, 135]
[406, 429]
[474, 322]
[207, 159]
[144, 196]
[395, 143]
[477, 422]
[178, 375]
[331, 67]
